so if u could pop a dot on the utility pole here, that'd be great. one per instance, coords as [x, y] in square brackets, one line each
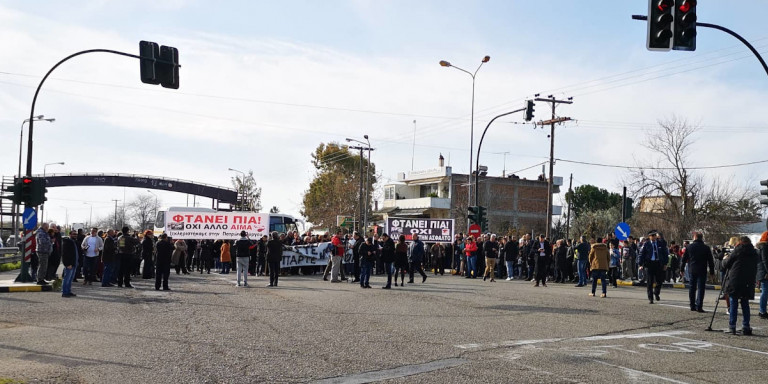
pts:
[568, 218]
[624, 206]
[359, 215]
[551, 99]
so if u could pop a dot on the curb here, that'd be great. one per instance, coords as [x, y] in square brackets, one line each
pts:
[665, 285]
[27, 288]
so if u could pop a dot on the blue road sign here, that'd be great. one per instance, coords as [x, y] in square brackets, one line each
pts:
[29, 218]
[622, 231]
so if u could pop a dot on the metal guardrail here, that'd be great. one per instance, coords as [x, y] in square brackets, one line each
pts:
[9, 255]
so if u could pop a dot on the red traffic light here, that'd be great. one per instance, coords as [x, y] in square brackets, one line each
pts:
[663, 5]
[686, 5]
[26, 180]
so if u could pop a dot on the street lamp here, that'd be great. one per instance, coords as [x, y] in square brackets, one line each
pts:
[242, 187]
[42, 206]
[444, 63]
[155, 205]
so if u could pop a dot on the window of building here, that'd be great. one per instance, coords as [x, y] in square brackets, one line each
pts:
[428, 190]
[389, 193]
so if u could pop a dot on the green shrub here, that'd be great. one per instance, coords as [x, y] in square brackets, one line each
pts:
[10, 266]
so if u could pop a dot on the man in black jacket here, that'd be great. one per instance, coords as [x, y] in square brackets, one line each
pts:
[69, 256]
[698, 256]
[542, 251]
[356, 255]
[274, 257]
[511, 250]
[242, 253]
[126, 248]
[163, 253]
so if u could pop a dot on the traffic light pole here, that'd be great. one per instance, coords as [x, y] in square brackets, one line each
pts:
[24, 275]
[726, 30]
[480, 145]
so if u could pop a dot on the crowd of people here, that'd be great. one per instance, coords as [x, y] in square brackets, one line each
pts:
[650, 261]
[114, 258]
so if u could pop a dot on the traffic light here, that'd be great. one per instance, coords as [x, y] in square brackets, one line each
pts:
[628, 208]
[168, 73]
[149, 52]
[685, 25]
[473, 214]
[159, 64]
[26, 186]
[482, 217]
[15, 191]
[529, 110]
[764, 192]
[660, 18]
[39, 190]
[30, 191]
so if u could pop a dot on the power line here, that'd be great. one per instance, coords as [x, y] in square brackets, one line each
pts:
[661, 168]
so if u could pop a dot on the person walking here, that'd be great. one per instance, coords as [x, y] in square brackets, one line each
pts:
[44, 249]
[653, 259]
[599, 262]
[356, 255]
[226, 258]
[242, 256]
[742, 269]
[109, 260]
[697, 257]
[491, 250]
[401, 259]
[387, 257]
[126, 248]
[470, 249]
[274, 257]
[147, 249]
[163, 255]
[762, 273]
[415, 257]
[69, 256]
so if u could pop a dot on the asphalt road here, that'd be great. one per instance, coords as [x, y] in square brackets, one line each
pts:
[448, 330]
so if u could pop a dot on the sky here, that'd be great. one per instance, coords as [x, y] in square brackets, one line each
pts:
[263, 83]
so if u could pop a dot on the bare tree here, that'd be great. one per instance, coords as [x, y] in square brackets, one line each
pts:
[248, 193]
[142, 210]
[687, 200]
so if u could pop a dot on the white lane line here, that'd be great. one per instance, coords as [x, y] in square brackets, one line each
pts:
[634, 335]
[511, 343]
[725, 346]
[515, 343]
[633, 372]
[394, 373]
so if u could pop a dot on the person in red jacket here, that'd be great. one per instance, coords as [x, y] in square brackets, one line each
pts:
[471, 250]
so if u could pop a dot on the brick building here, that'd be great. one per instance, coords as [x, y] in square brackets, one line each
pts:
[514, 204]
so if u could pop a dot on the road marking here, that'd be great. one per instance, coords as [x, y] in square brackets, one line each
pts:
[725, 346]
[633, 372]
[517, 343]
[634, 335]
[394, 373]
